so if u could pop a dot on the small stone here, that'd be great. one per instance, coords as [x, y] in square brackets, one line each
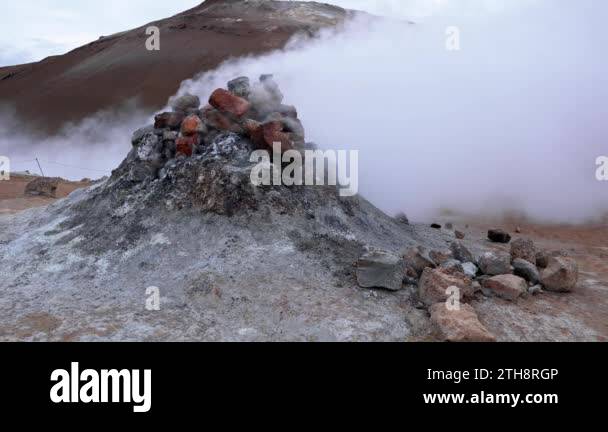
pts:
[168, 120]
[451, 266]
[449, 226]
[542, 259]
[186, 145]
[380, 269]
[459, 235]
[536, 289]
[440, 257]
[470, 269]
[435, 226]
[499, 236]
[461, 325]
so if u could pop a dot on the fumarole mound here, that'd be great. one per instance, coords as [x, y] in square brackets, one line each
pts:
[230, 260]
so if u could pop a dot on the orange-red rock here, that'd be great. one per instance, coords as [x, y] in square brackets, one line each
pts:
[217, 120]
[273, 132]
[185, 145]
[225, 101]
[255, 133]
[191, 125]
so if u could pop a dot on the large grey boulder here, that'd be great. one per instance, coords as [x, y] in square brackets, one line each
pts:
[561, 274]
[380, 269]
[495, 263]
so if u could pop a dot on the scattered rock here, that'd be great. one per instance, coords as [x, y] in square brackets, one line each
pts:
[42, 186]
[494, 263]
[526, 270]
[561, 274]
[449, 226]
[225, 101]
[518, 230]
[459, 235]
[499, 236]
[452, 266]
[524, 249]
[440, 257]
[506, 286]
[418, 259]
[470, 269]
[460, 325]
[536, 289]
[435, 282]
[273, 132]
[435, 226]
[380, 269]
[461, 253]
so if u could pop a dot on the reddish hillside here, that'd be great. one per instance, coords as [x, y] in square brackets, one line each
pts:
[114, 69]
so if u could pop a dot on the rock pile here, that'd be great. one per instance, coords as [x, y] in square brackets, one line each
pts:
[253, 112]
[42, 186]
[443, 276]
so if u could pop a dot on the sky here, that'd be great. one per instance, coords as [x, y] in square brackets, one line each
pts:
[35, 29]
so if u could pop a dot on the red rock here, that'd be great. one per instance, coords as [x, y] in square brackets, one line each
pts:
[170, 120]
[507, 286]
[273, 132]
[191, 125]
[255, 132]
[225, 101]
[434, 284]
[185, 145]
[460, 325]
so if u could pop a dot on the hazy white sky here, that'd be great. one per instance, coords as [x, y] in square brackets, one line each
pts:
[34, 29]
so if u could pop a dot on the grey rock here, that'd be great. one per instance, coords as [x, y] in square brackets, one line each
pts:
[561, 274]
[380, 269]
[402, 218]
[495, 263]
[452, 265]
[42, 186]
[418, 259]
[240, 87]
[526, 270]
[140, 133]
[470, 269]
[461, 253]
[536, 289]
[185, 103]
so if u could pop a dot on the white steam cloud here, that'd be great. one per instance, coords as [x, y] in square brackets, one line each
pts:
[513, 121]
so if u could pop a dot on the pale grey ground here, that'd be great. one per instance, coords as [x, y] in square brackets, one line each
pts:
[233, 263]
